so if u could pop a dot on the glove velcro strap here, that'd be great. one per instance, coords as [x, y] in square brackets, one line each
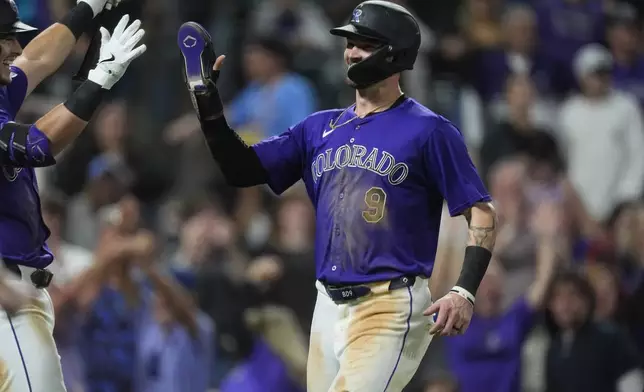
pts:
[100, 77]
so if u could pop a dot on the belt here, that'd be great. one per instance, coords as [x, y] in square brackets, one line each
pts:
[353, 292]
[41, 278]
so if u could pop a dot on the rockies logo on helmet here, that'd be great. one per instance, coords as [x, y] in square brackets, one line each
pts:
[357, 13]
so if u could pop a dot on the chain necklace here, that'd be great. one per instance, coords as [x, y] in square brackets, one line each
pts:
[334, 124]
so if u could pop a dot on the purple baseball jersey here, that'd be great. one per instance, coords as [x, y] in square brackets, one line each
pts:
[22, 230]
[377, 184]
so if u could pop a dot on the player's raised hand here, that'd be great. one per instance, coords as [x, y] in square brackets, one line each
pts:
[453, 315]
[117, 51]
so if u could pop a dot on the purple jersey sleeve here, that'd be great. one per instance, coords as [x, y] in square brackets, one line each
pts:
[17, 90]
[283, 158]
[452, 170]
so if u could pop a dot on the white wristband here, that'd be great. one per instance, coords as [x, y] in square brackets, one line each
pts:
[463, 293]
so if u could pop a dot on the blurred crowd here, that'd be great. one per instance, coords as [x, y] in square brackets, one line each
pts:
[168, 280]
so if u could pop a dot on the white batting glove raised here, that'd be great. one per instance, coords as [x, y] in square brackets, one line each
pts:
[117, 52]
[99, 5]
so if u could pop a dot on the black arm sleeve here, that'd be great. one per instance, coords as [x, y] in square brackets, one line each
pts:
[238, 162]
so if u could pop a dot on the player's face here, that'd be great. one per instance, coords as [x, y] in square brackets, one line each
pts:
[358, 50]
[9, 50]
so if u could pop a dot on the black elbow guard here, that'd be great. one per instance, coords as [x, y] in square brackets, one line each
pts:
[24, 145]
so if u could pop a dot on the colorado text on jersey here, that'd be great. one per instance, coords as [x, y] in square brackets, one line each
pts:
[382, 163]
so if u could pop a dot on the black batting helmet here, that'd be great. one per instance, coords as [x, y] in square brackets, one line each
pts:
[390, 25]
[9, 21]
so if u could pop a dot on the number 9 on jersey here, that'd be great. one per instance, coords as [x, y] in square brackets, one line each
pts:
[375, 198]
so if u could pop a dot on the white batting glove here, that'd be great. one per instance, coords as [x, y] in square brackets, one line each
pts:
[99, 5]
[117, 52]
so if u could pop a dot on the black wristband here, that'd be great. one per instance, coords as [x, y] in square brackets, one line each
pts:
[477, 259]
[79, 19]
[85, 100]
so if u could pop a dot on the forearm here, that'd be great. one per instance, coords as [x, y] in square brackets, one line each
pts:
[63, 124]
[546, 260]
[48, 50]
[482, 231]
[237, 161]
[180, 304]
[61, 128]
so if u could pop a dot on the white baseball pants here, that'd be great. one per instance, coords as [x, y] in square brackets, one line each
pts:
[372, 344]
[29, 360]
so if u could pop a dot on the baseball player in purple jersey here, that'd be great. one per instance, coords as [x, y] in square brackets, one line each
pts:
[377, 173]
[29, 360]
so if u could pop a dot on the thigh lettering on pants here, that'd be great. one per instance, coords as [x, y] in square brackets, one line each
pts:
[372, 344]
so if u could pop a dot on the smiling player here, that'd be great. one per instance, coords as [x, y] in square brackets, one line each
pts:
[377, 173]
[29, 360]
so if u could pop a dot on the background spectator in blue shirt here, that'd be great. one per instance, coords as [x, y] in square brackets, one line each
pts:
[275, 98]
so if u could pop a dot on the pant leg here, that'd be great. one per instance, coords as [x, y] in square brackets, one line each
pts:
[322, 363]
[385, 338]
[29, 360]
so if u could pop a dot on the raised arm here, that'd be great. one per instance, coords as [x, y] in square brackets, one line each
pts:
[48, 50]
[36, 145]
[276, 161]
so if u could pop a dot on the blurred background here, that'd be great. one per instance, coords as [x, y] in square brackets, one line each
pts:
[549, 96]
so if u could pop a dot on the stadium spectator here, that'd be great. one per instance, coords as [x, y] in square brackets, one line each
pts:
[585, 355]
[624, 40]
[174, 350]
[520, 54]
[480, 23]
[108, 179]
[602, 132]
[292, 244]
[71, 261]
[562, 38]
[517, 132]
[275, 97]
